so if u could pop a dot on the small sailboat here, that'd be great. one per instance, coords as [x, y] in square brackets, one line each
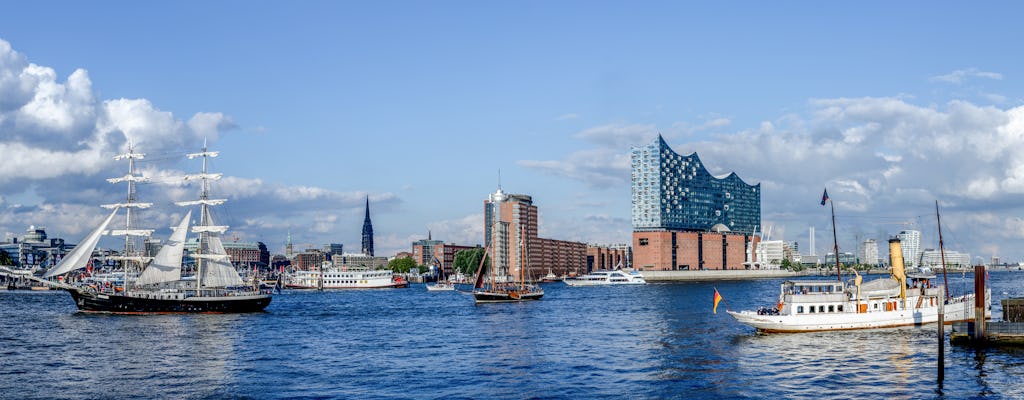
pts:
[443, 283]
[159, 287]
[492, 287]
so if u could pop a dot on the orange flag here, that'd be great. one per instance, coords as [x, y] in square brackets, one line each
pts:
[718, 298]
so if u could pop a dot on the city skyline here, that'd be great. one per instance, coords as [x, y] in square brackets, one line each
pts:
[317, 106]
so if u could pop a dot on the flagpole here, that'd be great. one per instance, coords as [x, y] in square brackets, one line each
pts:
[835, 242]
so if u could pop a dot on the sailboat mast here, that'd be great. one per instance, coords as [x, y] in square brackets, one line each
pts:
[835, 242]
[522, 260]
[128, 243]
[942, 251]
[203, 221]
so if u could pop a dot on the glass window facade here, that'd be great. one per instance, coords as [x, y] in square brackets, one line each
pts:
[676, 192]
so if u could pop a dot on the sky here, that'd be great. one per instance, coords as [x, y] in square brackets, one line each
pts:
[317, 105]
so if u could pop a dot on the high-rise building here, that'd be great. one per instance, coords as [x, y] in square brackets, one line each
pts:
[334, 249]
[510, 227]
[367, 231]
[910, 240]
[675, 192]
[686, 219]
[868, 252]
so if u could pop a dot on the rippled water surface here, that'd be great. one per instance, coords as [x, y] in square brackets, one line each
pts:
[654, 341]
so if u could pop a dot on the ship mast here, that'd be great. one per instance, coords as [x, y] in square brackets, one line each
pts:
[942, 252]
[835, 242]
[130, 202]
[205, 227]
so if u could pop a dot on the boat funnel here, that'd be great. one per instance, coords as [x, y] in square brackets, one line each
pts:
[899, 273]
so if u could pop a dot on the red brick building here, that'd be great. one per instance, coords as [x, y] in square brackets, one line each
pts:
[682, 250]
[510, 233]
[606, 257]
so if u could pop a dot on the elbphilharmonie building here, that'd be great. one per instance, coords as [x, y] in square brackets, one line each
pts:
[673, 191]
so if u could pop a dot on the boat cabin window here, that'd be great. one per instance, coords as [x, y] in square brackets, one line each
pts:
[799, 309]
[812, 309]
[840, 308]
[821, 308]
[831, 308]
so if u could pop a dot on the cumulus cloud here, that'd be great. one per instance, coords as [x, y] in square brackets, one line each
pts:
[57, 140]
[877, 156]
[463, 231]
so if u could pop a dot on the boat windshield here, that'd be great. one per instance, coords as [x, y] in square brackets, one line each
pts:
[791, 287]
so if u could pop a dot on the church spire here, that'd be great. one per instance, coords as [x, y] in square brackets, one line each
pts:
[367, 231]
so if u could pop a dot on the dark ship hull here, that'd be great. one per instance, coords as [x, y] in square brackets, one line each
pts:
[503, 296]
[165, 303]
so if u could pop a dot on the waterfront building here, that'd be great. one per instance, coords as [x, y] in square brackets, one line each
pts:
[910, 240]
[35, 248]
[332, 249]
[244, 255]
[675, 192]
[437, 253]
[510, 224]
[346, 261]
[607, 257]
[933, 258]
[770, 254]
[686, 219]
[846, 258]
[868, 252]
[367, 231]
[423, 250]
[308, 260]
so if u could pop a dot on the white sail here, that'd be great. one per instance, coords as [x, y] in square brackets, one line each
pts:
[204, 175]
[132, 204]
[209, 228]
[166, 267]
[219, 273]
[128, 178]
[209, 202]
[80, 255]
[223, 257]
[131, 232]
[210, 154]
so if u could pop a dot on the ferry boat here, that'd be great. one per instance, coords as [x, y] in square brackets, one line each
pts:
[352, 278]
[602, 277]
[826, 305]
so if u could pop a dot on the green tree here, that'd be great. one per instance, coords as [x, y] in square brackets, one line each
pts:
[466, 261]
[402, 265]
[5, 259]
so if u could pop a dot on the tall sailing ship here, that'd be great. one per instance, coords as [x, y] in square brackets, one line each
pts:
[497, 285]
[216, 286]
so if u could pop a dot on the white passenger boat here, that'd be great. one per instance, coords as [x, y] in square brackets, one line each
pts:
[826, 305]
[601, 277]
[345, 279]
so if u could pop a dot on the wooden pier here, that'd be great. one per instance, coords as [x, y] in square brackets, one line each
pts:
[1008, 331]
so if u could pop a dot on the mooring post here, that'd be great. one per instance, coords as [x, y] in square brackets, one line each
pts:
[979, 303]
[942, 335]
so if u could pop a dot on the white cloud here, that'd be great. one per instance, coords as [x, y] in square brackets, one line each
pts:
[877, 156]
[57, 142]
[468, 230]
[961, 75]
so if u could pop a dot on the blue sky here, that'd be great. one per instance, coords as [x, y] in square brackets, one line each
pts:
[315, 105]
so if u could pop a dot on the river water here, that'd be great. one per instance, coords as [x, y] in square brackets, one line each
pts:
[653, 341]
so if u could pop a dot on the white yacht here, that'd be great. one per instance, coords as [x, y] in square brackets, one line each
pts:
[601, 277]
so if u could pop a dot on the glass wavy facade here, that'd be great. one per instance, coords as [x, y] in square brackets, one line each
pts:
[672, 191]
